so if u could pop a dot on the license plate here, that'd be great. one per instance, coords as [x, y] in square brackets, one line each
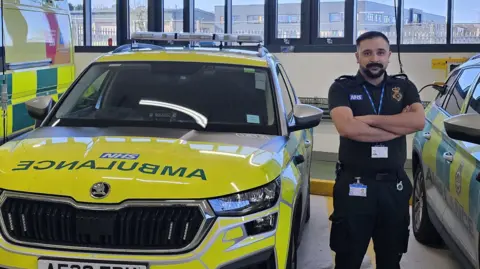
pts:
[58, 264]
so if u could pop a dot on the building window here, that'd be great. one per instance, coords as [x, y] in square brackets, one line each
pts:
[76, 18]
[376, 18]
[138, 15]
[335, 17]
[244, 24]
[104, 23]
[466, 16]
[331, 18]
[288, 19]
[255, 19]
[424, 24]
[208, 17]
[173, 16]
[417, 18]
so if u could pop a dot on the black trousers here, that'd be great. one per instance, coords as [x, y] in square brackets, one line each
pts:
[383, 215]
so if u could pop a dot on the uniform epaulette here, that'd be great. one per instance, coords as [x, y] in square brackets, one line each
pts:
[344, 77]
[400, 76]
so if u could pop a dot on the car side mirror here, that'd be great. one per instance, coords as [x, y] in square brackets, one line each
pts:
[306, 117]
[465, 127]
[39, 107]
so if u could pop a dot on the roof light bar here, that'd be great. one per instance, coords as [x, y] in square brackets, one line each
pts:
[153, 36]
[239, 38]
[163, 36]
[194, 37]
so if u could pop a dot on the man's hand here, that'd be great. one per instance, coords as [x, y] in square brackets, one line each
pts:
[351, 127]
[370, 119]
[410, 120]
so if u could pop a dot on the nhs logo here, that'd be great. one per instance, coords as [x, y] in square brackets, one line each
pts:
[123, 156]
[356, 97]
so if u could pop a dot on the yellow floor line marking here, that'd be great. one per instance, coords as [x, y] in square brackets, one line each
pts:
[319, 179]
[330, 211]
[370, 250]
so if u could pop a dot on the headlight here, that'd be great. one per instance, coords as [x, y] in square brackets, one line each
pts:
[247, 202]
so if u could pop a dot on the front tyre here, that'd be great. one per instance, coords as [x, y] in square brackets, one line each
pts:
[307, 218]
[307, 204]
[423, 229]
[292, 252]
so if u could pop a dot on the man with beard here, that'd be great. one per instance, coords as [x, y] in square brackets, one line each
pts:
[372, 112]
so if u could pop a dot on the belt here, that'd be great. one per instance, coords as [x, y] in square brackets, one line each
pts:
[381, 174]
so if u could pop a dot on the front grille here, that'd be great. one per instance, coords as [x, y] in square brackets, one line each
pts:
[162, 227]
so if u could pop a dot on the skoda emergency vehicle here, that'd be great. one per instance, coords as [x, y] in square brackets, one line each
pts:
[162, 157]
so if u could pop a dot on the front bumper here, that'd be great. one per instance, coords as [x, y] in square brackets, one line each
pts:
[226, 246]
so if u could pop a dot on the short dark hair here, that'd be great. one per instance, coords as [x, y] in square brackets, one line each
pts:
[371, 35]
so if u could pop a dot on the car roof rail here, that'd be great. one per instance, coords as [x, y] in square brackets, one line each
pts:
[475, 57]
[135, 46]
[262, 51]
[192, 38]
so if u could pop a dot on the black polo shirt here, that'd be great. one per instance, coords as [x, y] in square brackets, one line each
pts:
[349, 91]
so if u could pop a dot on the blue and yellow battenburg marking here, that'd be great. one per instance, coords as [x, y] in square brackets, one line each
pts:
[26, 85]
[456, 181]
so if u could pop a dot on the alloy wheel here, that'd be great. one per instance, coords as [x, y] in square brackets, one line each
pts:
[418, 200]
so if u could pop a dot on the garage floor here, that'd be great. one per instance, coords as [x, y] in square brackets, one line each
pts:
[315, 253]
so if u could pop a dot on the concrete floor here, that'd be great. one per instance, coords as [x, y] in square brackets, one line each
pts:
[315, 253]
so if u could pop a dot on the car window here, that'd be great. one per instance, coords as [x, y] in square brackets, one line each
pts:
[95, 87]
[474, 104]
[209, 96]
[287, 100]
[289, 84]
[448, 86]
[460, 90]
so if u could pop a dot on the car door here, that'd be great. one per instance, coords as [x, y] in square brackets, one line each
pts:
[430, 140]
[471, 182]
[456, 167]
[306, 141]
[296, 140]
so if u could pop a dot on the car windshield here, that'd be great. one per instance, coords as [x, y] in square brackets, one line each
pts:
[203, 96]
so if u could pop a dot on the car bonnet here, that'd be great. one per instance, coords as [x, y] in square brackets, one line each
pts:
[179, 164]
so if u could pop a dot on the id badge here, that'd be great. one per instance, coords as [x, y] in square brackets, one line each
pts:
[379, 152]
[358, 189]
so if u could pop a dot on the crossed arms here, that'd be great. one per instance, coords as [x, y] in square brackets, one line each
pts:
[378, 128]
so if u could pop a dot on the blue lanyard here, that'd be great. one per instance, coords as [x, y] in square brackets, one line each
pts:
[371, 100]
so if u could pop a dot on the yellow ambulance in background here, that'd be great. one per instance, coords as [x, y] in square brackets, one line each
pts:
[37, 58]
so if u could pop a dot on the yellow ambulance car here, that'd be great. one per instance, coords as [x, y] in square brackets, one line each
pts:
[36, 58]
[179, 158]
